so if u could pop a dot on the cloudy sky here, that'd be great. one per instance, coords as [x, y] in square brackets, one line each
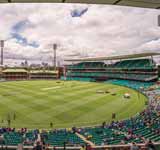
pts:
[79, 31]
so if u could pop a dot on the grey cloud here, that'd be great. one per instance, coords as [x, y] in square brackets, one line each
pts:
[103, 30]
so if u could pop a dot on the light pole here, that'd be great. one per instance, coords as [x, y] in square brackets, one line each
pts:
[159, 20]
[55, 57]
[2, 47]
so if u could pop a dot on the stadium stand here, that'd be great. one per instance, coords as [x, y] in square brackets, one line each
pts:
[124, 64]
[43, 74]
[83, 65]
[12, 137]
[132, 69]
[59, 137]
[14, 74]
[135, 64]
[24, 74]
[106, 136]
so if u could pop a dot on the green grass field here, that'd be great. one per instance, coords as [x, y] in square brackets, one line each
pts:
[65, 103]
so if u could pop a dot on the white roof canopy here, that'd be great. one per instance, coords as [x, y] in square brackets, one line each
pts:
[134, 3]
[119, 57]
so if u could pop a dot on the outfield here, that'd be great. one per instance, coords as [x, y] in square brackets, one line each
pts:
[65, 103]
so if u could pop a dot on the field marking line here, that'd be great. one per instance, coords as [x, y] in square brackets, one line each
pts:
[50, 88]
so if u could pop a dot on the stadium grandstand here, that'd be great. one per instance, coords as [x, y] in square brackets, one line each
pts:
[140, 67]
[24, 74]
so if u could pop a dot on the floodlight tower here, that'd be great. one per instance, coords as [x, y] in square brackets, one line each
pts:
[2, 48]
[55, 57]
[159, 20]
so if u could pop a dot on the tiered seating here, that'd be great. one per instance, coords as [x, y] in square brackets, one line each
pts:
[58, 138]
[21, 74]
[148, 134]
[109, 75]
[135, 64]
[83, 65]
[147, 123]
[141, 128]
[106, 136]
[124, 64]
[13, 138]
[43, 74]
[15, 74]
[136, 69]
[30, 137]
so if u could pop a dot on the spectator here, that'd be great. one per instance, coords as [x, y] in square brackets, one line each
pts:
[38, 146]
[89, 147]
[1, 140]
[150, 145]
[83, 147]
[134, 146]
[51, 124]
[54, 148]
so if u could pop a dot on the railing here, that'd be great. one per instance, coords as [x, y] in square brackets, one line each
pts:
[141, 77]
[104, 147]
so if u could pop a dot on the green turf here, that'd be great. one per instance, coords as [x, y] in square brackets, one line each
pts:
[65, 103]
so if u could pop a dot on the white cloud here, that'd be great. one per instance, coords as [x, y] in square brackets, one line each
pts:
[102, 30]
